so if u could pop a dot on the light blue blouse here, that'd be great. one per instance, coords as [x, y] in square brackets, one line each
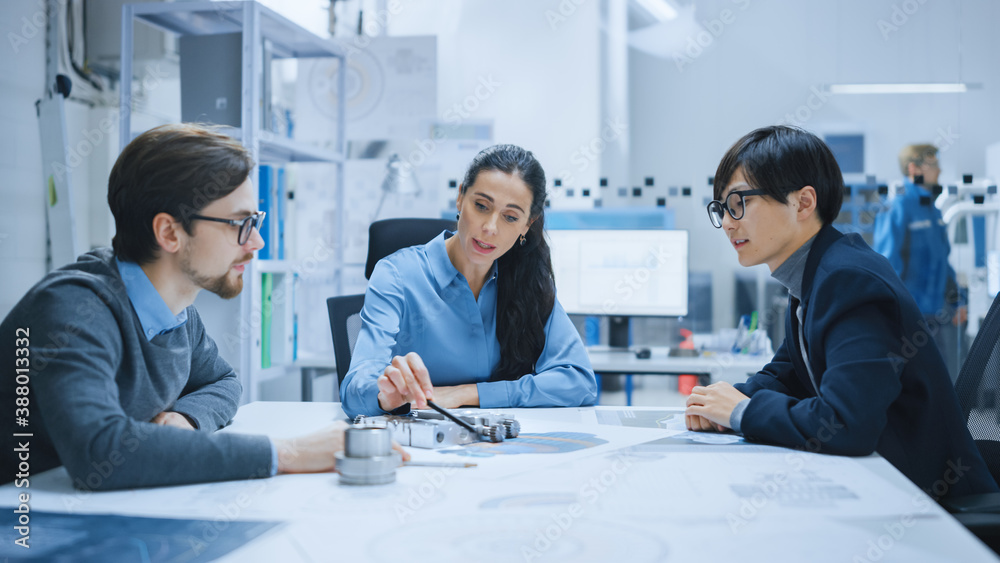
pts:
[418, 302]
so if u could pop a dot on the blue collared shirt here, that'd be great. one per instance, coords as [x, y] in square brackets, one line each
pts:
[155, 316]
[418, 302]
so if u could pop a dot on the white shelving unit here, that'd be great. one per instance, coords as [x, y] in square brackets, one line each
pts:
[236, 324]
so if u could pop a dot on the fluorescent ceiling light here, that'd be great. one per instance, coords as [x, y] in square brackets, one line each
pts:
[659, 9]
[926, 88]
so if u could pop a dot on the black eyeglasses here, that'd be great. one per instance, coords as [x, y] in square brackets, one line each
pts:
[736, 207]
[246, 225]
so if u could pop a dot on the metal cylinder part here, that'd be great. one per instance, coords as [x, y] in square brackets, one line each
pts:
[367, 441]
[368, 458]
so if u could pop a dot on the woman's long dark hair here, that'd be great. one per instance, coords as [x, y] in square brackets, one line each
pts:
[525, 285]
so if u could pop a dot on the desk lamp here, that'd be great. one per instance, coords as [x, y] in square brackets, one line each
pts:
[399, 180]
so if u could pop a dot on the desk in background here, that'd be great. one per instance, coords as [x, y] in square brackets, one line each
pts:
[637, 493]
[733, 368]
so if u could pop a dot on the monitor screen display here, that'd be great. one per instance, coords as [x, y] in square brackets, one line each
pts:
[615, 272]
[849, 150]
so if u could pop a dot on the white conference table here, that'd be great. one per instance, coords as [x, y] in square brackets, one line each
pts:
[624, 498]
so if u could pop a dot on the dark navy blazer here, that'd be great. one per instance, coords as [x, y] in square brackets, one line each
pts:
[883, 385]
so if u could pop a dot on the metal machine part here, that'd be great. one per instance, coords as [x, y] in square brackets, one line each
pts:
[488, 428]
[511, 427]
[368, 458]
[428, 429]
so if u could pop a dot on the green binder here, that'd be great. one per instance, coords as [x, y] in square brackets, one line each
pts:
[267, 284]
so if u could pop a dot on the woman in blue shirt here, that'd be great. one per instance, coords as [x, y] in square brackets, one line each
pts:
[472, 312]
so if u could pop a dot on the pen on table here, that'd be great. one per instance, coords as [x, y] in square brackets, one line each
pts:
[437, 464]
[452, 417]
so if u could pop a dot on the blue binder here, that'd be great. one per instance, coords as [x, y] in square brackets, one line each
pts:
[279, 217]
[265, 189]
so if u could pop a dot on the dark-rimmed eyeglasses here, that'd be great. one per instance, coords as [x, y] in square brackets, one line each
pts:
[734, 204]
[246, 225]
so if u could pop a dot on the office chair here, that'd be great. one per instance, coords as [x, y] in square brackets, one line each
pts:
[389, 235]
[345, 324]
[978, 390]
[384, 238]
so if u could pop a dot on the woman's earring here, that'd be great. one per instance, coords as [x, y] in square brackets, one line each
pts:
[523, 240]
[458, 216]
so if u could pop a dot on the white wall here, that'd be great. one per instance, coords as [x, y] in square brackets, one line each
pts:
[22, 211]
[22, 215]
[762, 66]
[547, 96]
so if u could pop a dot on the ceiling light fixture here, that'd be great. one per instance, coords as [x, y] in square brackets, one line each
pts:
[915, 88]
[659, 9]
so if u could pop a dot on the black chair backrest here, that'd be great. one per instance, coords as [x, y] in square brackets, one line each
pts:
[345, 324]
[389, 235]
[978, 389]
[384, 238]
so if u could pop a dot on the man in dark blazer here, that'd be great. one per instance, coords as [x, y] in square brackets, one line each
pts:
[858, 371]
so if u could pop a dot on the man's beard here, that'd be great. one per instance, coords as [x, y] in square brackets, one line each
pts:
[220, 285]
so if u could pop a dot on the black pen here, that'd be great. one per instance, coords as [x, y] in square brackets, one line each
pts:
[452, 417]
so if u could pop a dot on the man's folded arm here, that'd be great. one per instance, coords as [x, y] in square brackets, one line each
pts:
[75, 392]
[212, 394]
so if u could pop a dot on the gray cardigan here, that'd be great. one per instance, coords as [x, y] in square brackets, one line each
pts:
[96, 382]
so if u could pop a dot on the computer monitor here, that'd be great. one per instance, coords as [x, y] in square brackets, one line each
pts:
[621, 273]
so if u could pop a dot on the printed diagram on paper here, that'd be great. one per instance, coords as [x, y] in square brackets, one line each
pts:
[547, 443]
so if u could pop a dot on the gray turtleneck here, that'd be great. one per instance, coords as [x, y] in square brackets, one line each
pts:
[789, 274]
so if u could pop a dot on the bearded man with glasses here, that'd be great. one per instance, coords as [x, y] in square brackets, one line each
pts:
[125, 387]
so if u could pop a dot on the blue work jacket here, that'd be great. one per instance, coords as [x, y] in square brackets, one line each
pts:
[913, 237]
